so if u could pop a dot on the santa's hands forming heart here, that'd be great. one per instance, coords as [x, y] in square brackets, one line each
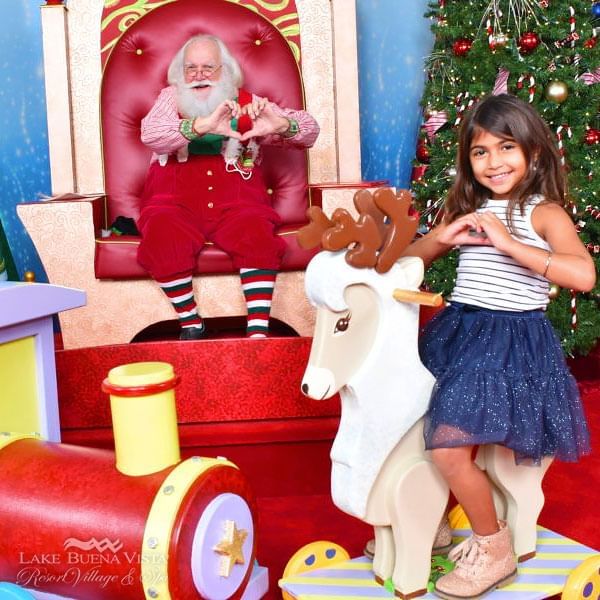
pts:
[219, 121]
[265, 119]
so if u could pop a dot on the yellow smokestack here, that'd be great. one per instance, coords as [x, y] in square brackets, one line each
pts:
[142, 402]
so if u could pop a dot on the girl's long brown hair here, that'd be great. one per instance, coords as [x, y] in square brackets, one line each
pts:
[506, 116]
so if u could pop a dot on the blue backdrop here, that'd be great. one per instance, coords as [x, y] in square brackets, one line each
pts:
[393, 39]
[24, 168]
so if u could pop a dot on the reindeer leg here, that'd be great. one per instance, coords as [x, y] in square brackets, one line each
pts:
[417, 503]
[522, 488]
[383, 561]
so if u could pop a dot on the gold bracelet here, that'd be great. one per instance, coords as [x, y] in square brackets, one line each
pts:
[547, 265]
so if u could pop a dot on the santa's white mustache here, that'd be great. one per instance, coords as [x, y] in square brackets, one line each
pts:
[197, 84]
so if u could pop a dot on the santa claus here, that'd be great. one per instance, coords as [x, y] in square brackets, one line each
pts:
[205, 182]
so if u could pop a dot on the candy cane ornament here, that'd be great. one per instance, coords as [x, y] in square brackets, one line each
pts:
[429, 215]
[594, 211]
[466, 104]
[573, 33]
[531, 90]
[490, 32]
[559, 135]
[591, 42]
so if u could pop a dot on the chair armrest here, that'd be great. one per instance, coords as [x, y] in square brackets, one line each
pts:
[63, 232]
[96, 201]
[332, 195]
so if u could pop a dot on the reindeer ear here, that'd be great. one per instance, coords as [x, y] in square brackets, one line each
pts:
[414, 269]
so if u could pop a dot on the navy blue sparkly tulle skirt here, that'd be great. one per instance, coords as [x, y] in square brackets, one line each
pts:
[501, 377]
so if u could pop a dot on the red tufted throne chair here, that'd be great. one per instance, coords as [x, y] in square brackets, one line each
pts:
[98, 90]
[134, 74]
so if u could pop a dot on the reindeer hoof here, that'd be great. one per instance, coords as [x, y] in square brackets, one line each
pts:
[527, 556]
[389, 585]
[400, 594]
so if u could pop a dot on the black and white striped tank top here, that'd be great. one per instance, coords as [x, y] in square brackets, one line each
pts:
[488, 278]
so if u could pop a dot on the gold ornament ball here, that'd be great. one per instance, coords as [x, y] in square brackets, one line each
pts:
[29, 276]
[554, 291]
[556, 91]
[499, 40]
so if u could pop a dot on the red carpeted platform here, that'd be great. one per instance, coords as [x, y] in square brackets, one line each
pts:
[238, 398]
[241, 399]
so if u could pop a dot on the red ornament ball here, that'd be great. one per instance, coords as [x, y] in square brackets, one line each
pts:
[461, 46]
[589, 44]
[422, 153]
[592, 136]
[418, 172]
[528, 42]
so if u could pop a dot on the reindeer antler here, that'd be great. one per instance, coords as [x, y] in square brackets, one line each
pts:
[310, 235]
[364, 233]
[342, 231]
[402, 227]
[373, 242]
[365, 205]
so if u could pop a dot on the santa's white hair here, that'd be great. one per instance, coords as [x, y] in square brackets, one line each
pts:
[225, 88]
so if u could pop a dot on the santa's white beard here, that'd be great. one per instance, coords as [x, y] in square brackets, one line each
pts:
[191, 106]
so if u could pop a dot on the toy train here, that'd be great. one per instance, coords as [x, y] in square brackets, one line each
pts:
[73, 525]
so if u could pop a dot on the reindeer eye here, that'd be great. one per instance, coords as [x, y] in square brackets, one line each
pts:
[342, 324]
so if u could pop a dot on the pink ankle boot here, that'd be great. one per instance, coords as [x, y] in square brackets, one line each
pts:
[441, 544]
[443, 538]
[483, 563]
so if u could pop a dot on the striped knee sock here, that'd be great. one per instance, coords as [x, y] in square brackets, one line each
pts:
[258, 285]
[180, 293]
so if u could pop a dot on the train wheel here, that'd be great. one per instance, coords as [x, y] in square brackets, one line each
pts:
[458, 519]
[315, 555]
[584, 581]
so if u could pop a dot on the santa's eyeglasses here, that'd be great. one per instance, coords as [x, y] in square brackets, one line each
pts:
[205, 71]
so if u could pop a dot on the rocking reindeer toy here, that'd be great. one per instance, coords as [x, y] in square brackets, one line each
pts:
[365, 348]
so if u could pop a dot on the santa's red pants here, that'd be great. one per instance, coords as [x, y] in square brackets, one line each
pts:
[183, 205]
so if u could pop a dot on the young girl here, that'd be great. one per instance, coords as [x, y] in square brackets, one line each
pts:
[501, 375]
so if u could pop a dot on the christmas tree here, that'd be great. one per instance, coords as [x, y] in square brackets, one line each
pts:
[546, 53]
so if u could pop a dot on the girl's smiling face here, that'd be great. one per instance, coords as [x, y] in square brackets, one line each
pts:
[498, 163]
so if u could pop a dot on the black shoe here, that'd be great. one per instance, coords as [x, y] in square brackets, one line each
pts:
[192, 333]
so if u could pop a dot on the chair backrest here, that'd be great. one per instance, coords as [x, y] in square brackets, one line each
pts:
[135, 72]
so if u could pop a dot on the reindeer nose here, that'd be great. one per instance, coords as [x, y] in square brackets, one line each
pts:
[305, 388]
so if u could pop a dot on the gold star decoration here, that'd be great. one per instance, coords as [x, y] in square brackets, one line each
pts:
[230, 547]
